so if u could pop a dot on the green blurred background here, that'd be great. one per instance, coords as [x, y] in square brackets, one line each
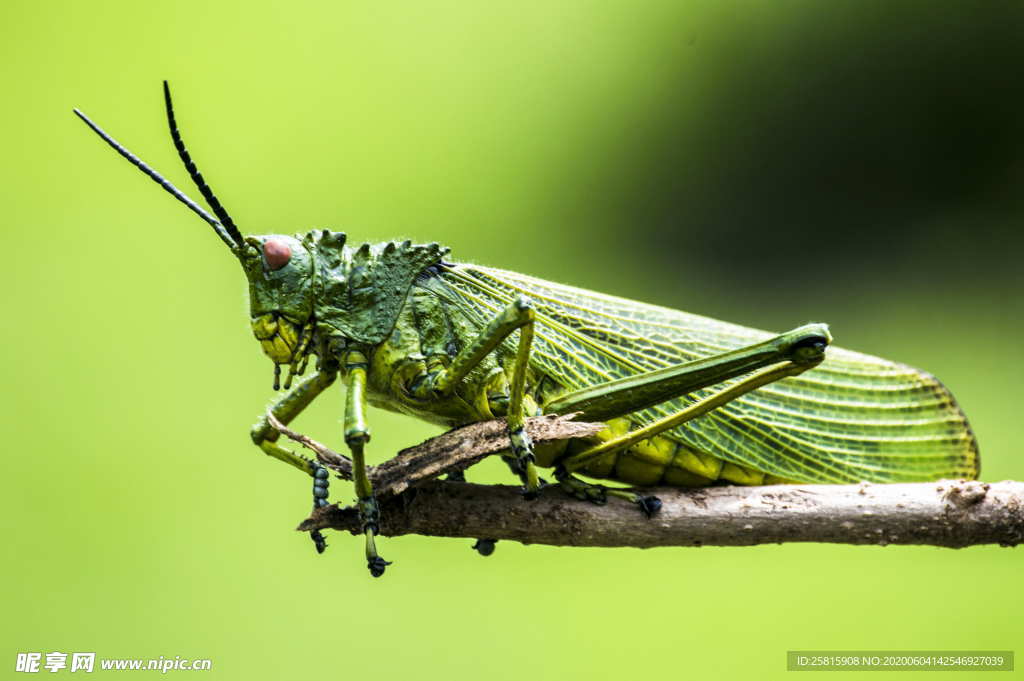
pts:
[859, 163]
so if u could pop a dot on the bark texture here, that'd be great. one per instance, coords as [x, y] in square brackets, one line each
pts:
[449, 452]
[949, 513]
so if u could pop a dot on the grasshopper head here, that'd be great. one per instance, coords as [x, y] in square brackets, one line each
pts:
[355, 294]
[280, 273]
[279, 268]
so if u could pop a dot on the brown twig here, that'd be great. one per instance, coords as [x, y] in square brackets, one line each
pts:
[453, 451]
[950, 513]
[947, 513]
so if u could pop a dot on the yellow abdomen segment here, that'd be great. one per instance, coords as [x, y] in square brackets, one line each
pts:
[657, 461]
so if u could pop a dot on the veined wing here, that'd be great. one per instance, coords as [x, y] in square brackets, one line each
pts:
[854, 417]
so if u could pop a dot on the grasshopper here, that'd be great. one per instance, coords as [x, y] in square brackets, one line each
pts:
[688, 401]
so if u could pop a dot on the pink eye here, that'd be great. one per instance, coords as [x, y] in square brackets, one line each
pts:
[276, 253]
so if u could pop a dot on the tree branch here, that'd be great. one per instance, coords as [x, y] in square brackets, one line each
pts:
[947, 513]
[950, 513]
[449, 452]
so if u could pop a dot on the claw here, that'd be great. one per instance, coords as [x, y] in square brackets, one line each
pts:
[530, 496]
[377, 565]
[484, 547]
[649, 505]
[318, 540]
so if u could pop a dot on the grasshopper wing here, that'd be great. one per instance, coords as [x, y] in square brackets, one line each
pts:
[854, 417]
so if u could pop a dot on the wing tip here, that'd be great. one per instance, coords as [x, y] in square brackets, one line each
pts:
[972, 454]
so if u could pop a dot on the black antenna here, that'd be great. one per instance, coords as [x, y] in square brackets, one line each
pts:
[159, 179]
[197, 177]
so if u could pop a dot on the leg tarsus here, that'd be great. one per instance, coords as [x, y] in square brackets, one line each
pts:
[484, 547]
[649, 505]
[318, 541]
[377, 565]
[374, 562]
[580, 489]
[369, 516]
[321, 481]
[598, 494]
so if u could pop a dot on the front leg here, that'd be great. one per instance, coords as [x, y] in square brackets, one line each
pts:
[289, 406]
[357, 434]
[285, 409]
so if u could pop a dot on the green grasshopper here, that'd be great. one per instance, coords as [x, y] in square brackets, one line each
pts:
[688, 401]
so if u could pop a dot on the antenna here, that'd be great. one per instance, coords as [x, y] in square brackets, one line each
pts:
[197, 177]
[159, 179]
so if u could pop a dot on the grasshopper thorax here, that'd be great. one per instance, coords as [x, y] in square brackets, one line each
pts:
[315, 285]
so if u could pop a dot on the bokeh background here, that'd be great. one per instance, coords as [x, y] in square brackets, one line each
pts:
[855, 162]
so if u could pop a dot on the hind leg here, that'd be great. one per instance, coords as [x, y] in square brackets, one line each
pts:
[598, 494]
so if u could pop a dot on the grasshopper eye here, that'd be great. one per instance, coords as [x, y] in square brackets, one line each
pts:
[276, 254]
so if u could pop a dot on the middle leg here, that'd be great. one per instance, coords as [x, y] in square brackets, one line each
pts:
[518, 315]
[357, 434]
